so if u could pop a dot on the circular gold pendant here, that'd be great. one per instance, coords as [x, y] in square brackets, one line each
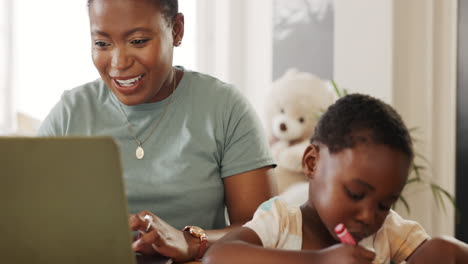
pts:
[140, 153]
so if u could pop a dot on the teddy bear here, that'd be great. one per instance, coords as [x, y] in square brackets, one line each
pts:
[292, 109]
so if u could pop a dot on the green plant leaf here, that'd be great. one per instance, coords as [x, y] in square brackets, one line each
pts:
[416, 170]
[413, 180]
[421, 157]
[405, 203]
[440, 193]
[337, 90]
[438, 197]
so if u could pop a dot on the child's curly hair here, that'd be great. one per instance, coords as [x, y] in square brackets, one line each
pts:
[358, 118]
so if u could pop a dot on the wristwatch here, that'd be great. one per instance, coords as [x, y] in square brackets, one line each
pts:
[198, 232]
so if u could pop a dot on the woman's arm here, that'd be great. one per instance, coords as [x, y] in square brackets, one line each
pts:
[244, 192]
[446, 250]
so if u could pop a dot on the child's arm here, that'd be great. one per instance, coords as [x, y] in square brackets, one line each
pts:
[244, 246]
[440, 250]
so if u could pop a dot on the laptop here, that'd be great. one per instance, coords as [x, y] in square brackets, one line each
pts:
[62, 200]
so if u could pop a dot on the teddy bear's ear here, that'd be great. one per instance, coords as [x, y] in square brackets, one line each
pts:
[310, 159]
[290, 72]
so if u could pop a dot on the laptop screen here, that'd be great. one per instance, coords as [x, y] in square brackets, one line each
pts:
[62, 201]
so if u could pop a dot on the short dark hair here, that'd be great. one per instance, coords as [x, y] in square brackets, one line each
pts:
[358, 118]
[169, 8]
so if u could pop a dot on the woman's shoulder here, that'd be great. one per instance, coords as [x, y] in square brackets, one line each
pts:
[91, 92]
[203, 78]
[209, 83]
[210, 89]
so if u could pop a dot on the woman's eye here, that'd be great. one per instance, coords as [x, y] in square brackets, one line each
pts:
[101, 44]
[282, 110]
[139, 41]
[354, 196]
[301, 120]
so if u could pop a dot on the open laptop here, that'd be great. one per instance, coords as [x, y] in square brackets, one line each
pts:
[62, 200]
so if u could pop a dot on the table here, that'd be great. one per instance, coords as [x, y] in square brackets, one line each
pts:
[158, 260]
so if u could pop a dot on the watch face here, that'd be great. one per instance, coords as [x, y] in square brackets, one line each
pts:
[196, 231]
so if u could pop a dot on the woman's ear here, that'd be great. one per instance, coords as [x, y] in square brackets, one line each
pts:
[178, 29]
[310, 160]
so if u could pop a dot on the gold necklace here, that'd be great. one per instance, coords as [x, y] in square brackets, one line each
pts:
[140, 152]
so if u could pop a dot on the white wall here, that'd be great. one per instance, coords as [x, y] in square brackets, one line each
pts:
[52, 52]
[186, 54]
[363, 55]
[425, 93]
[235, 44]
[404, 52]
[7, 100]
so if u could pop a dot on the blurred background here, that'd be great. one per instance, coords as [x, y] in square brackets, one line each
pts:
[413, 54]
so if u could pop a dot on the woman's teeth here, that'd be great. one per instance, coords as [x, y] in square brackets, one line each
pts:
[128, 82]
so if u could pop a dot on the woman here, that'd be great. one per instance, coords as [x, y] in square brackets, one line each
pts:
[190, 144]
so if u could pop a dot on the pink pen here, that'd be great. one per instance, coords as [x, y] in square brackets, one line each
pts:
[343, 234]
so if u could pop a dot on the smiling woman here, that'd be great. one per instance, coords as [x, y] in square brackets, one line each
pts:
[135, 62]
[191, 144]
[60, 56]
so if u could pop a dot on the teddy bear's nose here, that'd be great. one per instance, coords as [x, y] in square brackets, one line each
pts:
[283, 127]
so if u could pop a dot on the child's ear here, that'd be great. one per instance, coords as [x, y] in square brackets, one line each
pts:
[310, 159]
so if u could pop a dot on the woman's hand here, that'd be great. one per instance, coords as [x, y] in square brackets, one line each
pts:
[158, 237]
[345, 254]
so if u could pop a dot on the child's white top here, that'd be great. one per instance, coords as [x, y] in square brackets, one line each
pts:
[279, 225]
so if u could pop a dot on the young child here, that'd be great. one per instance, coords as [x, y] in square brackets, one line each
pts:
[357, 165]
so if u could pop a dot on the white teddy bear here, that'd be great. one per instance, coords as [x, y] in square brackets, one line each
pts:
[293, 108]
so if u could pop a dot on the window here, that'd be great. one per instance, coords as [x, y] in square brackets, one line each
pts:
[7, 123]
[52, 51]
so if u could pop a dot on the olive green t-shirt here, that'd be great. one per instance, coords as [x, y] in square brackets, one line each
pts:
[208, 132]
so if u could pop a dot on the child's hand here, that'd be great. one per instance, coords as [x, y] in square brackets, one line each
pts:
[345, 254]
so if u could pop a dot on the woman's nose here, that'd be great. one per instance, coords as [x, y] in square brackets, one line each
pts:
[120, 59]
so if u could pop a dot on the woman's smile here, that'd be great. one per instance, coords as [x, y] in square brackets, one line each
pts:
[128, 85]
